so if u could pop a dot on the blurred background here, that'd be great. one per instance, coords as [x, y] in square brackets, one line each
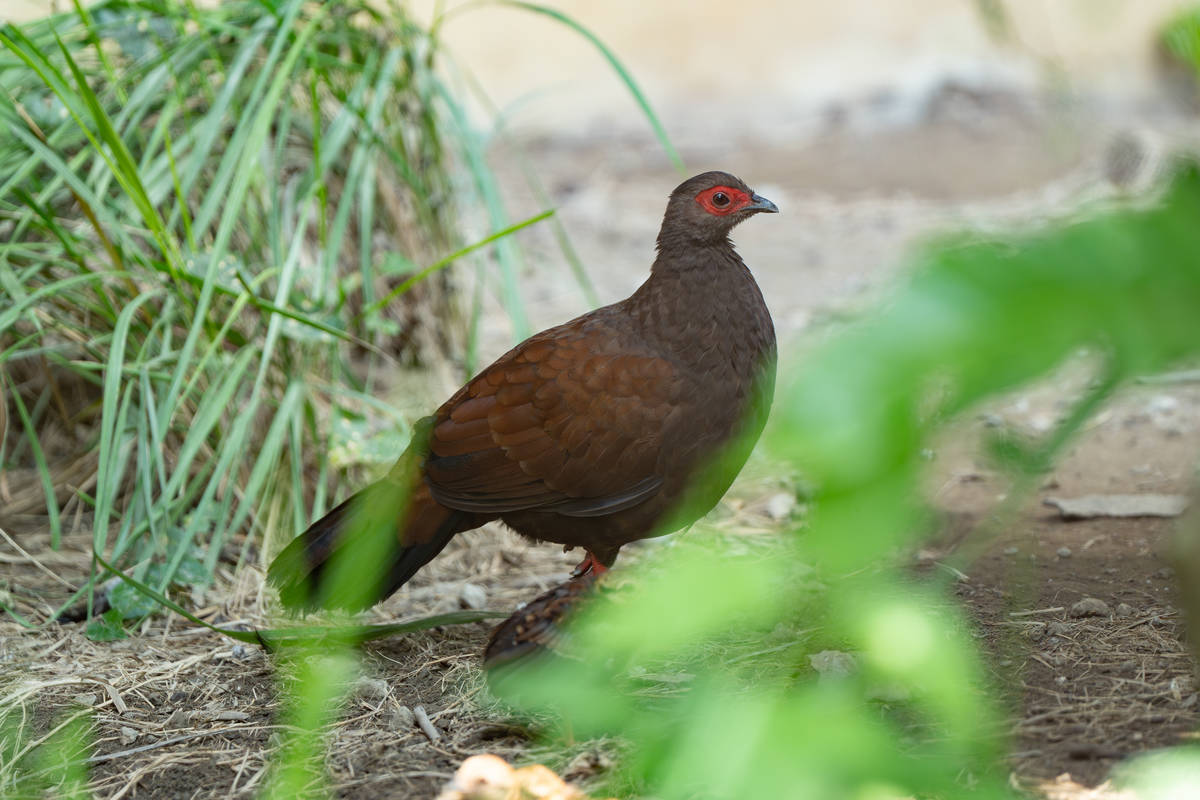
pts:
[870, 124]
[775, 71]
[951, 109]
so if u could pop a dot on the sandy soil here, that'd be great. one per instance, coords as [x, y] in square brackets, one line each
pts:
[182, 713]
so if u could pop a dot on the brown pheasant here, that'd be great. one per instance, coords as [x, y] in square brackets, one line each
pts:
[627, 422]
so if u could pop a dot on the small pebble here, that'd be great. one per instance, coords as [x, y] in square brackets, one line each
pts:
[1064, 552]
[1011, 551]
[178, 719]
[128, 735]
[1090, 607]
[472, 595]
[88, 699]
[239, 651]
[1124, 610]
[402, 718]
[1057, 628]
[372, 690]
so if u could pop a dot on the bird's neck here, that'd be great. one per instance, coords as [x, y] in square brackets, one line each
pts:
[703, 294]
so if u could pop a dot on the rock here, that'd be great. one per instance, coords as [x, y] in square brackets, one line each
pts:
[472, 595]
[833, 664]
[128, 735]
[402, 718]
[178, 719]
[88, 699]
[1124, 610]
[371, 690]
[1119, 505]
[1064, 552]
[1057, 628]
[1090, 607]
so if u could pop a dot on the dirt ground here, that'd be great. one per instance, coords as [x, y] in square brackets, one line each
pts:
[182, 713]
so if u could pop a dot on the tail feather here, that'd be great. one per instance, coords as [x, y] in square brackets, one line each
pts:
[364, 549]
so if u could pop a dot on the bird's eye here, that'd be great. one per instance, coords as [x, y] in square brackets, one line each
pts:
[720, 199]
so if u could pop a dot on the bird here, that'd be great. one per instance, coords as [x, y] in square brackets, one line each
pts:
[627, 422]
[538, 625]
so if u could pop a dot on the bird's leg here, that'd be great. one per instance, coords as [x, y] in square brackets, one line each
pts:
[589, 564]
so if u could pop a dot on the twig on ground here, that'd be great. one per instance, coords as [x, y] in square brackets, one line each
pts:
[1053, 610]
[100, 759]
[425, 725]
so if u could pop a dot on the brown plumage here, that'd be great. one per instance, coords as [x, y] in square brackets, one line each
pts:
[627, 422]
[537, 626]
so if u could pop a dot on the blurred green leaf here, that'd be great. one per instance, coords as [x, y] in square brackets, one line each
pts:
[107, 627]
[129, 603]
[976, 317]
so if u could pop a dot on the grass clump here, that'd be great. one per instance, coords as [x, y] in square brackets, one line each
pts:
[203, 213]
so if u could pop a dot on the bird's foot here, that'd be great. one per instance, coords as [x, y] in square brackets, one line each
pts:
[590, 564]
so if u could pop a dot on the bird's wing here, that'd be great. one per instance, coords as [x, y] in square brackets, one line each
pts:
[567, 422]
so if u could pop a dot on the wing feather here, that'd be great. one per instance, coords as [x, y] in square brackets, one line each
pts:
[569, 422]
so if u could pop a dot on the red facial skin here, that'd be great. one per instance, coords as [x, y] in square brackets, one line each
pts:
[737, 200]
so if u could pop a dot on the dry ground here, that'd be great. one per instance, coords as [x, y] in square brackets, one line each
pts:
[184, 713]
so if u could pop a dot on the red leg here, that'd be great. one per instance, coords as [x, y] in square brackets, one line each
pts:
[589, 564]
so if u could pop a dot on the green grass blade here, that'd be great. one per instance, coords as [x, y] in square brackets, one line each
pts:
[273, 638]
[109, 428]
[611, 57]
[450, 259]
[39, 457]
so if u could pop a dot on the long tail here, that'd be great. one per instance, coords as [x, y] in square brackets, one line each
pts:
[364, 549]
